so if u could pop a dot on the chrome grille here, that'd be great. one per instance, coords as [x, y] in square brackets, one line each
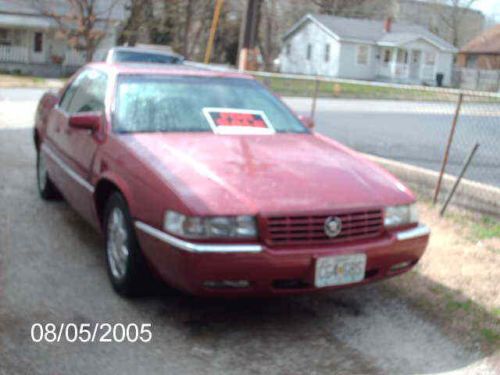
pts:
[300, 230]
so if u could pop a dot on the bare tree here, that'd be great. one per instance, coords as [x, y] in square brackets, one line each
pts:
[140, 11]
[79, 22]
[276, 18]
[345, 8]
[453, 14]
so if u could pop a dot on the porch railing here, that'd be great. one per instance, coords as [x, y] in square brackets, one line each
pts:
[401, 70]
[14, 54]
[74, 58]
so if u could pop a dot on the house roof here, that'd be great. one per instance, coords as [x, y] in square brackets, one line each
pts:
[29, 13]
[28, 21]
[487, 42]
[372, 31]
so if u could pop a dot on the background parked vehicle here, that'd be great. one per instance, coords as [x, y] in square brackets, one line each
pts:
[146, 54]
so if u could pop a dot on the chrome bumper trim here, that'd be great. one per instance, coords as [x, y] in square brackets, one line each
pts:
[196, 247]
[421, 230]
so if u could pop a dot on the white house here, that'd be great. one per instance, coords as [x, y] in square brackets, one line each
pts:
[29, 41]
[367, 50]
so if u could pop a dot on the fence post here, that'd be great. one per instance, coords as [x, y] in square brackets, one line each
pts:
[314, 99]
[459, 178]
[448, 146]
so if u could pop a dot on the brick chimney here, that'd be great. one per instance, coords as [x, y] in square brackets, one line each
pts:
[388, 24]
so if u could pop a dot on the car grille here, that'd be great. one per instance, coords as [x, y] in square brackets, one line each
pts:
[300, 230]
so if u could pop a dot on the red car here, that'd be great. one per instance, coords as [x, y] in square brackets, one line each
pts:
[209, 181]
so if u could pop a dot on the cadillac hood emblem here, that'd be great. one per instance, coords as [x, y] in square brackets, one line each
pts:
[333, 226]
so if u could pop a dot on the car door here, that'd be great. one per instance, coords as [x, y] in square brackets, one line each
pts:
[75, 149]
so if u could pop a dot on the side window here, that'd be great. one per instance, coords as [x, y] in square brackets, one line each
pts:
[90, 91]
[68, 95]
[363, 54]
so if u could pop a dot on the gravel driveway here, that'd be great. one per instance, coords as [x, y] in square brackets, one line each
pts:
[52, 270]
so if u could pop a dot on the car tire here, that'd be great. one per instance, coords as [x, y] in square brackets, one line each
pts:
[46, 187]
[126, 265]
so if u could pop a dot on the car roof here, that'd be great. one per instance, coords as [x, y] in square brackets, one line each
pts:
[145, 50]
[167, 69]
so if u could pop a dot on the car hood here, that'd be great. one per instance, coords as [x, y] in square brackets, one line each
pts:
[281, 173]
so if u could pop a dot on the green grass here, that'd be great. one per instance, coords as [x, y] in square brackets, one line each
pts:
[486, 228]
[477, 228]
[306, 87]
[456, 305]
[492, 336]
[496, 312]
[298, 87]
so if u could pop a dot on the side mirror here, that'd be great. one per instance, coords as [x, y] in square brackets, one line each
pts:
[86, 121]
[307, 121]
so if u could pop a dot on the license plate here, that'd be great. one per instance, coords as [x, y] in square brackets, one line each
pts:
[339, 270]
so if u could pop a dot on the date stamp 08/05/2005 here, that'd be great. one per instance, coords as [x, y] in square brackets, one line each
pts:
[91, 332]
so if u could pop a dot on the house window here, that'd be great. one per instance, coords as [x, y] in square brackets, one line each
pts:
[309, 51]
[430, 58]
[288, 49]
[362, 57]
[327, 52]
[4, 37]
[387, 56]
[402, 56]
[38, 42]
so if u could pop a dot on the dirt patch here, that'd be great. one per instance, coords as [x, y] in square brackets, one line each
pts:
[457, 279]
[8, 81]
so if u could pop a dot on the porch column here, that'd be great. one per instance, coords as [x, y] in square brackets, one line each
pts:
[394, 61]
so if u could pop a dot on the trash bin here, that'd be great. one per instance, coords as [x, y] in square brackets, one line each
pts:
[439, 79]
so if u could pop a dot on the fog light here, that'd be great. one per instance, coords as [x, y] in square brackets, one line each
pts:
[400, 266]
[218, 284]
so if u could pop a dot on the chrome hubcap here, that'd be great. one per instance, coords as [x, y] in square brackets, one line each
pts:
[117, 250]
[42, 173]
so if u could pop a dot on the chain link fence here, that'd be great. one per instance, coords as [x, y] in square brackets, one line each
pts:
[408, 124]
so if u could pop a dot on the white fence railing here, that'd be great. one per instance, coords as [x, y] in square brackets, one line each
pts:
[14, 54]
[74, 58]
[475, 79]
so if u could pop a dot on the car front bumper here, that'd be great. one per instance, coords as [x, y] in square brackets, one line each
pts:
[257, 270]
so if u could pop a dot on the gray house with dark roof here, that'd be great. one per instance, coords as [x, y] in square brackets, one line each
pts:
[366, 49]
[29, 40]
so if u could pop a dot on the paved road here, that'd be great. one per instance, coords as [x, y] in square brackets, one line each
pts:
[409, 132]
[414, 133]
[52, 270]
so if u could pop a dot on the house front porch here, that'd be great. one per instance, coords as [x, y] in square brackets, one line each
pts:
[403, 65]
[27, 50]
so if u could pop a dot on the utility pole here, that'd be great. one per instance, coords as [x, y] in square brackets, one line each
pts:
[247, 59]
[213, 29]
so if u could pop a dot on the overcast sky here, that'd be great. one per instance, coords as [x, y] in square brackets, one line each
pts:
[489, 8]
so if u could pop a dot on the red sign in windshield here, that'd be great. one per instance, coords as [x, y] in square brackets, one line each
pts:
[238, 121]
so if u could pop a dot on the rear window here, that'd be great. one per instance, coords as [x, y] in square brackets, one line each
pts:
[147, 103]
[142, 57]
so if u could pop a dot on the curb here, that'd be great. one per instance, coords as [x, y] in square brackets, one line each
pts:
[471, 195]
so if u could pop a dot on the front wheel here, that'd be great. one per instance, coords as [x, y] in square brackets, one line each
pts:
[126, 265]
[46, 187]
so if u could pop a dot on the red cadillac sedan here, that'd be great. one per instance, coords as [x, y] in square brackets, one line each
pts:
[208, 181]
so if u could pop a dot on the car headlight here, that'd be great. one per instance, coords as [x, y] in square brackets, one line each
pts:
[210, 227]
[400, 215]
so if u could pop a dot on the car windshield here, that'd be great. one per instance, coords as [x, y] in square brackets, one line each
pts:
[146, 103]
[144, 57]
